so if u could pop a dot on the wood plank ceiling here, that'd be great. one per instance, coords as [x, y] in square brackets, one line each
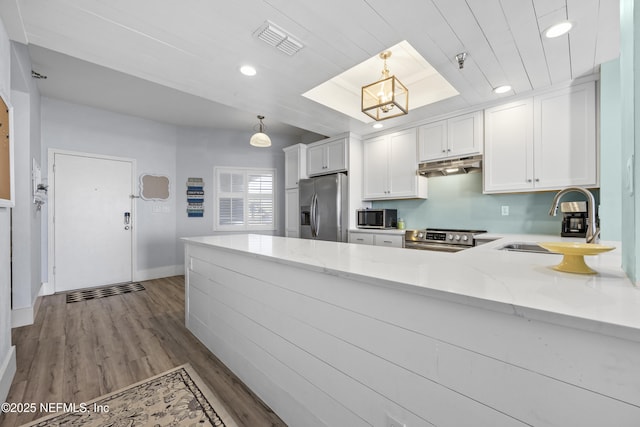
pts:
[131, 56]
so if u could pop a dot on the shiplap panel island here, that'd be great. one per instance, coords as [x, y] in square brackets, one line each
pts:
[338, 334]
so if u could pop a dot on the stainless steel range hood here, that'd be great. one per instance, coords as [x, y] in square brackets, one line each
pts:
[471, 164]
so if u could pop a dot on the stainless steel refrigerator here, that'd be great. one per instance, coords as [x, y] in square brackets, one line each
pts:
[323, 208]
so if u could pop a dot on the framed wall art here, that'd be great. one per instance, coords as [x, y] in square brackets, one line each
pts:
[7, 184]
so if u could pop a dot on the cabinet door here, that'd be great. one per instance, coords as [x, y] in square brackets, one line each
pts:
[291, 168]
[403, 164]
[393, 241]
[361, 238]
[432, 144]
[565, 138]
[336, 156]
[375, 158]
[316, 160]
[508, 147]
[292, 227]
[465, 134]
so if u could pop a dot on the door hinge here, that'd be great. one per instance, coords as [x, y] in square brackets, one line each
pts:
[54, 269]
[54, 168]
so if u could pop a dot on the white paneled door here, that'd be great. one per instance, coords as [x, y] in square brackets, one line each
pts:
[92, 221]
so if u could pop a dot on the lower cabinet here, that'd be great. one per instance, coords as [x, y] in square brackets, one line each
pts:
[291, 216]
[377, 239]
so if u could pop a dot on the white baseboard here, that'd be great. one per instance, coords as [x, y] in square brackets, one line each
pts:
[7, 372]
[46, 289]
[26, 315]
[158, 273]
[22, 317]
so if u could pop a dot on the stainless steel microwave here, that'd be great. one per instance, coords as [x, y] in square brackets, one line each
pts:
[377, 218]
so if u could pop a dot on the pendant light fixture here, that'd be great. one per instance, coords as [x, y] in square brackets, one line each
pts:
[387, 97]
[260, 139]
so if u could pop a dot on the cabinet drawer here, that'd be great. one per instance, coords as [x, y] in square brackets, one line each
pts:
[388, 240]
[361, 238]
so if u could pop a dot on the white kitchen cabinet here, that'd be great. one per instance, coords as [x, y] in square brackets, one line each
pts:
[328, 156]
[295, 169]
[390, 239]
[394, 241]
[542, 143]
[455, 137]
[389, 167]
[295, 165]
[291, 215]
[508, 147]
[361, 238]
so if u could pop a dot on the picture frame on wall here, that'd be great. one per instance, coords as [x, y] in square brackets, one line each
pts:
[7, 181]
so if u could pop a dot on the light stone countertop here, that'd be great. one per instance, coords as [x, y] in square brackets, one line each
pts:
[518, 283]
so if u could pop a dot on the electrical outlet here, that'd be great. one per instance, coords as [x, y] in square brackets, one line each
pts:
[393, 422]
[505, 211]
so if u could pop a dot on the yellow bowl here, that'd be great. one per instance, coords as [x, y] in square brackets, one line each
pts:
[574, 252]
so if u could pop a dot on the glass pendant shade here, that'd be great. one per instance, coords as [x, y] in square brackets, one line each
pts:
[260, 139]
[385, 98]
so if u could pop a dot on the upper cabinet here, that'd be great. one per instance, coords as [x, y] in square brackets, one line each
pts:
[295, 165]
[328, 156]
[390, 163]
[455, 137]
[542, 143]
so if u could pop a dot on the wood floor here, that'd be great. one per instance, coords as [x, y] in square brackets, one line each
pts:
[76, 352]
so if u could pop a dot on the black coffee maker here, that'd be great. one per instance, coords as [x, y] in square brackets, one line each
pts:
[574, 220]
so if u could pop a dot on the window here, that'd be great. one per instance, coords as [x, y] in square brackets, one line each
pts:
[244, 199]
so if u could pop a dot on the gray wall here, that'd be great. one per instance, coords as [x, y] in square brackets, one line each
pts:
[26, 220]
[164, 149]
[199, 150]
[73, 127]
[7, 364]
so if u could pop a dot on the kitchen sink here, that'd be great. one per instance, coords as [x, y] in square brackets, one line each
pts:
[525, 247]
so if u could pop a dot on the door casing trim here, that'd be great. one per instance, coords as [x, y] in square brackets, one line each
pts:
[51, 205]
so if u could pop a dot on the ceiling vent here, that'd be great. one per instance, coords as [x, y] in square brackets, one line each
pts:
[277, 37]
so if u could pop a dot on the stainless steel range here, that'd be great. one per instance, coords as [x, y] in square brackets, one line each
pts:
[438, 239]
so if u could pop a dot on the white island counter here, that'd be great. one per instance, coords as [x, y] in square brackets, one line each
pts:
[341, 334]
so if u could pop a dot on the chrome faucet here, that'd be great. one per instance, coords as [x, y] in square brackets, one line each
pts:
[592, 229]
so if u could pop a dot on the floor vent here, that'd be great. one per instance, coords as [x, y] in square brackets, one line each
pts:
[108, 291]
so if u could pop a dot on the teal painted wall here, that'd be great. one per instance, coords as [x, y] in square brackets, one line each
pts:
[630, 135]
[457, 201]
[610, 152]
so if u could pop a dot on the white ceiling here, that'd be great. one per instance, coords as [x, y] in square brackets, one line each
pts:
[178, 62]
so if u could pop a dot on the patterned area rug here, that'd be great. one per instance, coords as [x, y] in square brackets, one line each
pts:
[175, 398]
[103, 292]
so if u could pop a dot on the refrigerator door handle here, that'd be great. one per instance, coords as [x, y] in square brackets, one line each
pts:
[317, 220]
[313, 215]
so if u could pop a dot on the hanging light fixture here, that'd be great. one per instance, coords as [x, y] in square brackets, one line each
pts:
[260, 139]
[387, 97]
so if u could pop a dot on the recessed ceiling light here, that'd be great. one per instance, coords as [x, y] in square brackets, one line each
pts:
[378, 126]
[557, 30]
[248, 70]
[502, 89]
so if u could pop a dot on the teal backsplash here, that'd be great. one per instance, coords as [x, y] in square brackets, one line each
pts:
[457, 201]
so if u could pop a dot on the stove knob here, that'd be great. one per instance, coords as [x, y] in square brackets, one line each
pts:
[420, 235]
[450, 236]
[465, 238]
[457, 237]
